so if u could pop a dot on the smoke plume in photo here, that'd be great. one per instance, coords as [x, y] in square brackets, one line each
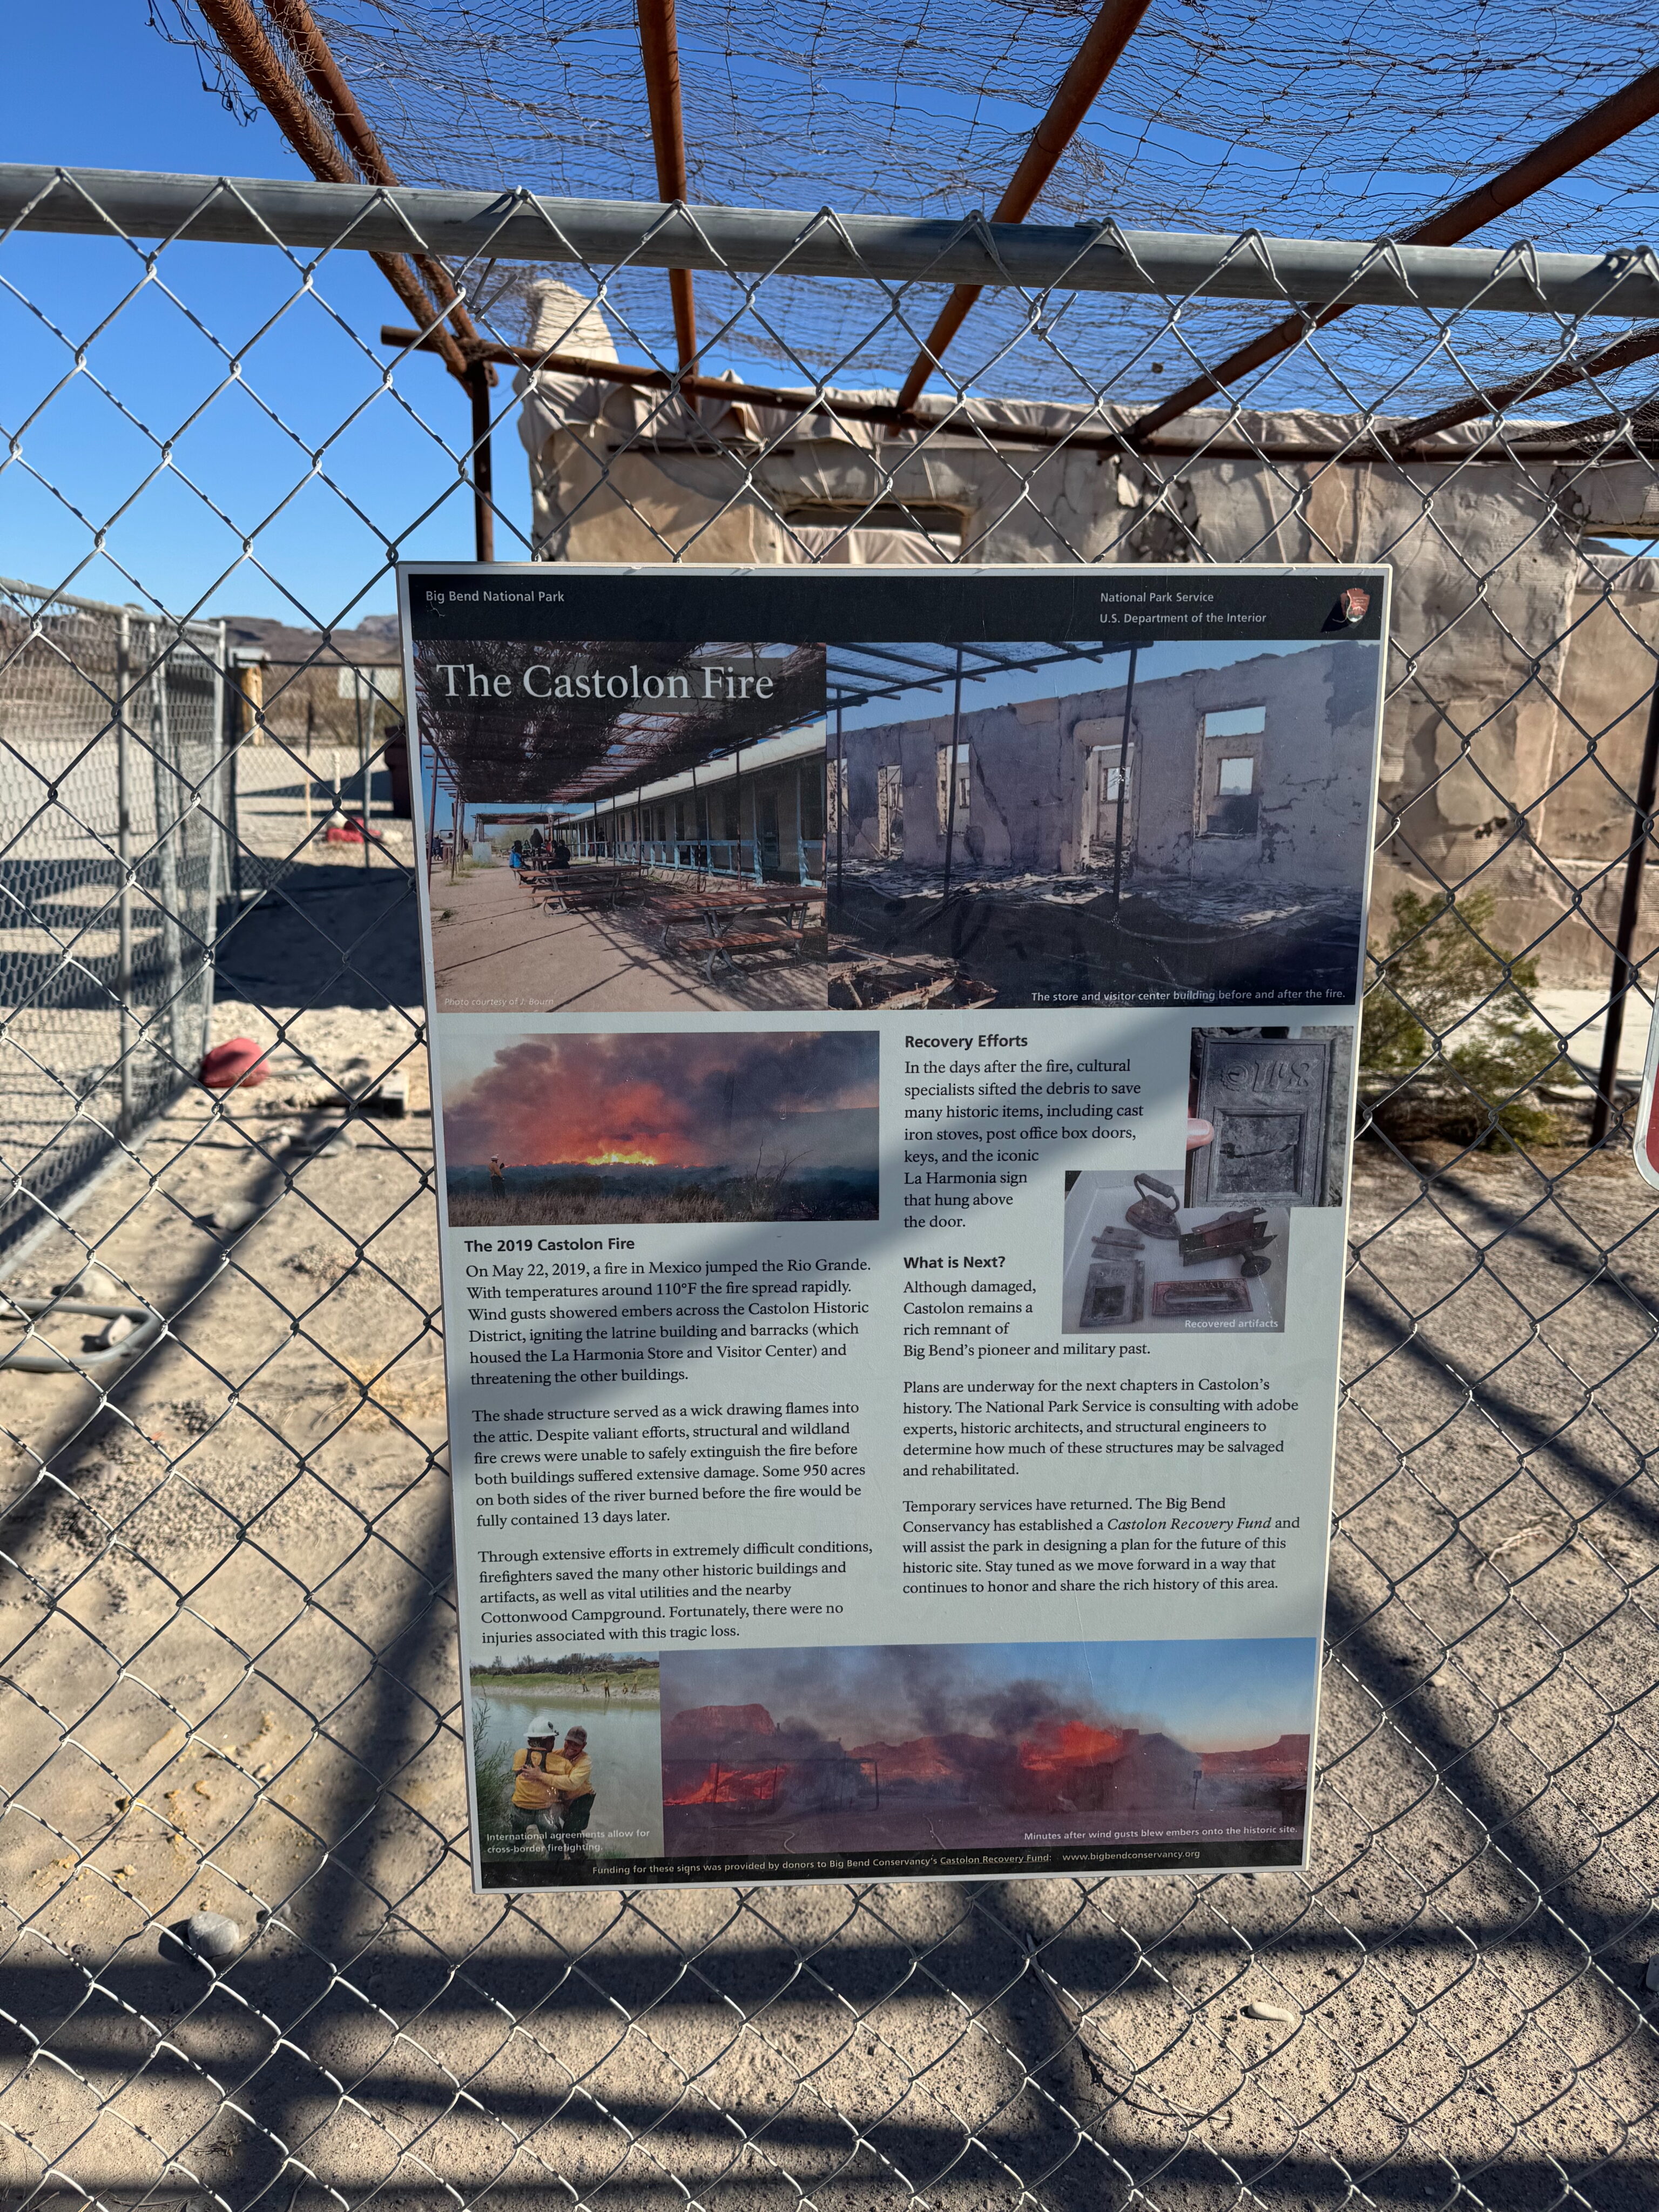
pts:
[670, 1101]
[1211, 1696]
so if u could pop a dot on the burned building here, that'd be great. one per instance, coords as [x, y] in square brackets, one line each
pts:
[1523, 639]
[1193, 833]
[1260, 766]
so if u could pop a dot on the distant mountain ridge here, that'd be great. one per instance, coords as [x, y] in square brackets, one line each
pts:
[373, 643]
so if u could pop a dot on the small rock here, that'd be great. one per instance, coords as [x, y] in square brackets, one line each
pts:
[323, 1143]
[1650, 1979]
[213, 1935]
[115, 1331]
[1255, 2011]
[229, 1220]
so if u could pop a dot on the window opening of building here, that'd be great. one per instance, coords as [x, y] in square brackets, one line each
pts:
[1230, 772]
[1235, 723]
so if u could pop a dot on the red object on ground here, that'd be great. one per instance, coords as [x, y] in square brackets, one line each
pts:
[350, 832]
[237, 1060]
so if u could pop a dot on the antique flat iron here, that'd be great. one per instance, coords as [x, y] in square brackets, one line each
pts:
[1154, 1211]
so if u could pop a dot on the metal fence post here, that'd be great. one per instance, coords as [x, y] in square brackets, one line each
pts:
[168, 827]
[124, 861]
[1630, 906]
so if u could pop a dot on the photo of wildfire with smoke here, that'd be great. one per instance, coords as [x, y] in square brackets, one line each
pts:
[781, 1126]
[1119, 1748]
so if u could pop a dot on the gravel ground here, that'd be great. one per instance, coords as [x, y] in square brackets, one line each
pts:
[228, 1684]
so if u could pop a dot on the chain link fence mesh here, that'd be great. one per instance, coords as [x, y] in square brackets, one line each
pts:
[111, 767]
[230, 1679]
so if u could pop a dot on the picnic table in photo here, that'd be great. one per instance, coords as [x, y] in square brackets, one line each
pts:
[583, 884]
[720, 920]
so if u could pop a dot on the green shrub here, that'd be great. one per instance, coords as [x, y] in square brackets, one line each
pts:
[1443, 974]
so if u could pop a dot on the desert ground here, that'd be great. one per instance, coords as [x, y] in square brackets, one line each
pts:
[230, 1681]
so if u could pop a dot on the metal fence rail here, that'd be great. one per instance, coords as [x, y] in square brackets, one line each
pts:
[227, 1676]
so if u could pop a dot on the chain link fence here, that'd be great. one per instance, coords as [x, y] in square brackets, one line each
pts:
[228, 1673]
[112, 751]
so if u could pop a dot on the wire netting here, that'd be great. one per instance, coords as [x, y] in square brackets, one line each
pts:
[230, 1680]
[1219, 117]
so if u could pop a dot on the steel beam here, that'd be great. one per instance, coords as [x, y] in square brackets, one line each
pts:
[1586, 135]
[241, 34]
[1639, 345]
[660, 50]
[1084, 257]
[294, 20]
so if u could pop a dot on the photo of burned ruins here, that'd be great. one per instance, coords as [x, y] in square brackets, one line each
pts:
[947, 1747]
[1057, 825]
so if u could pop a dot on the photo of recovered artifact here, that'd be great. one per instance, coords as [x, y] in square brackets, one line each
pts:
[1277, 1105]
[1135, 1260]
[1114, 1293]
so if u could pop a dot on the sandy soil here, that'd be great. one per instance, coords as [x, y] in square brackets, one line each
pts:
[229, 1680]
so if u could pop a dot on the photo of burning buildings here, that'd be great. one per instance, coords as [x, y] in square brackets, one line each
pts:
[1058, 825]
[1047, 1748]
[771, 1126]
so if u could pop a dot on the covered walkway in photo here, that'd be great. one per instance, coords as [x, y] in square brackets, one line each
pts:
[494, 951]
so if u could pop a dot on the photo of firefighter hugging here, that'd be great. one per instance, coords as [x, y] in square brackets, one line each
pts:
[553, 1792]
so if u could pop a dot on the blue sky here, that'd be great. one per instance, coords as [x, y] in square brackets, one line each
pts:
[1052, 681]
[176, 457]
[92, 85]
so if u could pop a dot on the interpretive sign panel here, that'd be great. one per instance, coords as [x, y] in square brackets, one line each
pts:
[893, 1040]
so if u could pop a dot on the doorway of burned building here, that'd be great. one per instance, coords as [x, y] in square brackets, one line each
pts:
[889, 810]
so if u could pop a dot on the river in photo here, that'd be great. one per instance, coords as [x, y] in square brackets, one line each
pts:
[624, 1744]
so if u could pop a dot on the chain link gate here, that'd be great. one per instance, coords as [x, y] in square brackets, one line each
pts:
[228, 1673]
[114, 874]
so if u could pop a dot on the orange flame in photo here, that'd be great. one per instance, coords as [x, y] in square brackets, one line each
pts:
[650, 1100]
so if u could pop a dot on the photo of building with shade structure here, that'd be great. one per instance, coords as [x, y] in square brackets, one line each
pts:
[624, 826]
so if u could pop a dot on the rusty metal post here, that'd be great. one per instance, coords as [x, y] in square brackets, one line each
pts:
[124, 861]
[484, 511]
[950, 775]
[1630, 908]
[660, 50]
[1123, 781]
[1093, 62]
